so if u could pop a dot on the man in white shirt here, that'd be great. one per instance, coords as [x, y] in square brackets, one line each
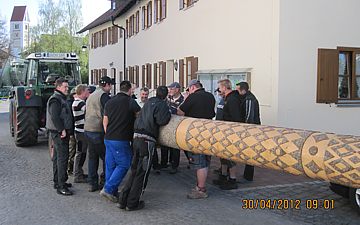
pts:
[144, 95]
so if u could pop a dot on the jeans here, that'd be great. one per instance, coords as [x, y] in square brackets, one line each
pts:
[140, 168]
[117, 161]
[96, 149]
[60, 159]
[80, 156]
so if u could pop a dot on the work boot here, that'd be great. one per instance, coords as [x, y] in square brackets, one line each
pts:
[108, 196]
[80, 179]
[140, 206]
[64, 191]
[173, 171]
[222, 179]
[93, 188]
[197, 193]
[229, 185]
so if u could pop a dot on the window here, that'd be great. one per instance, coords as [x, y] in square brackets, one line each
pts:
[137, 25]
[191, 68]
[162, 73]
[155, 76]
[137, 78]
[143, 17]
[104, 37]
[156, 10]
[113, 4]
[163, 9]
[143, 74]
[186, 3]
[149, 15]
[115, 34]
[16, 26]
[127, 28]
[338, 75]
[110, 35]
[26, 27]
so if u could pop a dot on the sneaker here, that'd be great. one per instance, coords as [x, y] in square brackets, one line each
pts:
[196, 193]
[221, 180]
[173, 170]
[229, 185]
[108, 196]
[140, 206]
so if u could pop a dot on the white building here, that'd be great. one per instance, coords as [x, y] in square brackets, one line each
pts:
[274, 44]
[19, 30]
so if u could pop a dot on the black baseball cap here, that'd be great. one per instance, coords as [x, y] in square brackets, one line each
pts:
[106, 80]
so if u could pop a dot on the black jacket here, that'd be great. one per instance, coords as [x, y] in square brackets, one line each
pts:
[232, 108]
[154, 114]
[252, 109]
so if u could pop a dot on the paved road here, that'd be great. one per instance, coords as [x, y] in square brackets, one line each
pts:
[27, 197]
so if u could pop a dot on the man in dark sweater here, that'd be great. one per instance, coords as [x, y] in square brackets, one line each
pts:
[154, 114]
[250, 107]
[231, 112]
[59, 124]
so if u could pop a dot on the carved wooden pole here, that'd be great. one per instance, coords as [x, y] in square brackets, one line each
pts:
[323, 156]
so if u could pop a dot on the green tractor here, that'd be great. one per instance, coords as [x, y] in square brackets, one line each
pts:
[28, 97]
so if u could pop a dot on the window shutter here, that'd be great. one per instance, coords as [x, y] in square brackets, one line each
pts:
[194, 68]
[143, 76]
[163, 73]
[181, 72]
[121, 76]
[92, 77]
[137, 78]
[155, 76]
[148, 75]
[327, 78]
[109, 35]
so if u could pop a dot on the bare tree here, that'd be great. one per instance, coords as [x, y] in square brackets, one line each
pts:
[4, 37]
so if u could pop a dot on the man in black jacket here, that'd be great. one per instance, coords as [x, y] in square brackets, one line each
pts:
[154, 114]
[59, 124]
[251, 108]
[231, 112]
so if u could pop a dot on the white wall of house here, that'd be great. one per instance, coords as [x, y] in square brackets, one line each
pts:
[305, 26]
[222, 34]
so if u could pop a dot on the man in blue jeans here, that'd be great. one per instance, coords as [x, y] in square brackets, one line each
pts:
[119, 117]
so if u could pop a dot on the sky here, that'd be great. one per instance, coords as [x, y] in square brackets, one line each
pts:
[91, 9]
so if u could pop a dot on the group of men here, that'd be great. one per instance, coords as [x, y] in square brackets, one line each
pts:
[123, 131]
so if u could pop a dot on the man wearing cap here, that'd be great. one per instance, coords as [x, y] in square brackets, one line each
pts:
[199, 104]
[175, 98]
[94, 130]
[251, 108]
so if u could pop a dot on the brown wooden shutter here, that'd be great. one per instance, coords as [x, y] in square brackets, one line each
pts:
[137, 77]
[181, 73]
[148, 75]
[155, 75]
[194, 67]
[143, 76]
[121, 76]
[109, 35]
[92, 77]
[163, 73]
[327, 79]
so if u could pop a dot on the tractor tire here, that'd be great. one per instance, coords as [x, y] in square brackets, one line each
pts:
[26, 126]
[11, 117]
[354, 196]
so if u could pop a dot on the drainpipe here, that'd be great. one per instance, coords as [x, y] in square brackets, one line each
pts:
[122, 29]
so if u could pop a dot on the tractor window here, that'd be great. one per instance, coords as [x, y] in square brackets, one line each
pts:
[50, 71]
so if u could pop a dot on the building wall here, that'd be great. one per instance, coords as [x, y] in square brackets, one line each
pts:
[19, 37]
[305, 26]
[222, 34]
